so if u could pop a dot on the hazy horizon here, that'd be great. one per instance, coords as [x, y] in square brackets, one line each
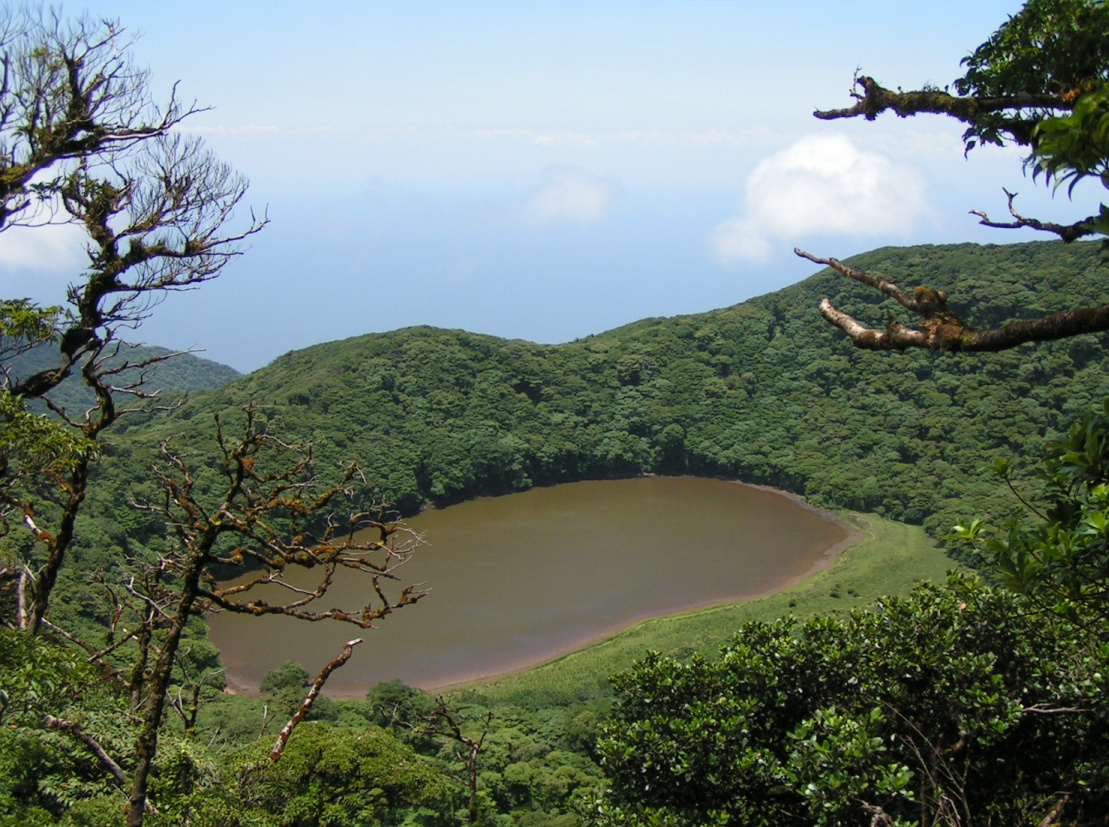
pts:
[546, 172]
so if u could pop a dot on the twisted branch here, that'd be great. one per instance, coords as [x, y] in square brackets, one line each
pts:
[1067, 232]
[940, 329]
[313, 693]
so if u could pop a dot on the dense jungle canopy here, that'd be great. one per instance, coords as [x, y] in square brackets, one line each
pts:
[757, 392]
[981, 699]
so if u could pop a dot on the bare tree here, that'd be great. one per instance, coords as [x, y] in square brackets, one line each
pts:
[81, 142]
[69, 90]
[451, 724]
[272, 515]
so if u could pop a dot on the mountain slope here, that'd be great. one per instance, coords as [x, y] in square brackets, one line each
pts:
[183, 373]
[764, 391]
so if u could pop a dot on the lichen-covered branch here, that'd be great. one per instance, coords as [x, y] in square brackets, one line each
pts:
[1038, 83]
[872, 99]
[940, 329]
[270, 513]
[70, 90]
[310, 699]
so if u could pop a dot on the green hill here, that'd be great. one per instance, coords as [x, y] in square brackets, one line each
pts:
[764, 391]
[182, 373]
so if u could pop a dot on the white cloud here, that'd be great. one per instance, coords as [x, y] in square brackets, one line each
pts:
[45, 249]
[250, 130]
[563, 139]
[571, 194]
[740, 239]
[820, 185]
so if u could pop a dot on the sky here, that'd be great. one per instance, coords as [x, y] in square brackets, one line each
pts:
[545, 170]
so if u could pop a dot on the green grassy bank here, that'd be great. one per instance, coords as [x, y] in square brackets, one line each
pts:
[890, 559]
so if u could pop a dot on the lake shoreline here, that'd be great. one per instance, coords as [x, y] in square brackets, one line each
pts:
[825, 561]
[459, 678]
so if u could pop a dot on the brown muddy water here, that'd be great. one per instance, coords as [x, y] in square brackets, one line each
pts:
[520, 579]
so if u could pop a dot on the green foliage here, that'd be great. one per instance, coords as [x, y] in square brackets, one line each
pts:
[43, 772]
[762, 392]
[1062, 557]
[34, 444]
[836, 762]
[24, 325]
[286, 685]
[1071, 148]
[1057, 48]
[332, 776]
[1076, 146]
[941, 700]
[1050, 47]
[30, 445]
[398, 708]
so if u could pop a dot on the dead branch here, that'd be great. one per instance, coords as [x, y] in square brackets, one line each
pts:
[310, 699]
[1067, 232]
[879, 817]
[189, 709]
[940, 329]
[78, 732]
[1045, 709]
[21, 598]
[943, 787]
[1056, 812]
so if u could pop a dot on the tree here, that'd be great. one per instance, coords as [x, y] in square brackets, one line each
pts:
[1041, 82]
[959, 704]
[82, 143]
[270, 514]
[401, 708]
[285, 686]
[925, 710]
[273, 516]
[333, 776]
[1057, 552]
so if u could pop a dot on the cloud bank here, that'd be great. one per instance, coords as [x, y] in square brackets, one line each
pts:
[570, 194]
[820, 185]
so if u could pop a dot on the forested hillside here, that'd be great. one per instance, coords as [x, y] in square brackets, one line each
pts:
[871, 694]
[180, 373]
[763, 391]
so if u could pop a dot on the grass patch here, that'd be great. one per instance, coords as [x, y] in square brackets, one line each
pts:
[891, 559]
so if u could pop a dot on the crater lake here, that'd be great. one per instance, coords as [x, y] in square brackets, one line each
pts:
[518, 580]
